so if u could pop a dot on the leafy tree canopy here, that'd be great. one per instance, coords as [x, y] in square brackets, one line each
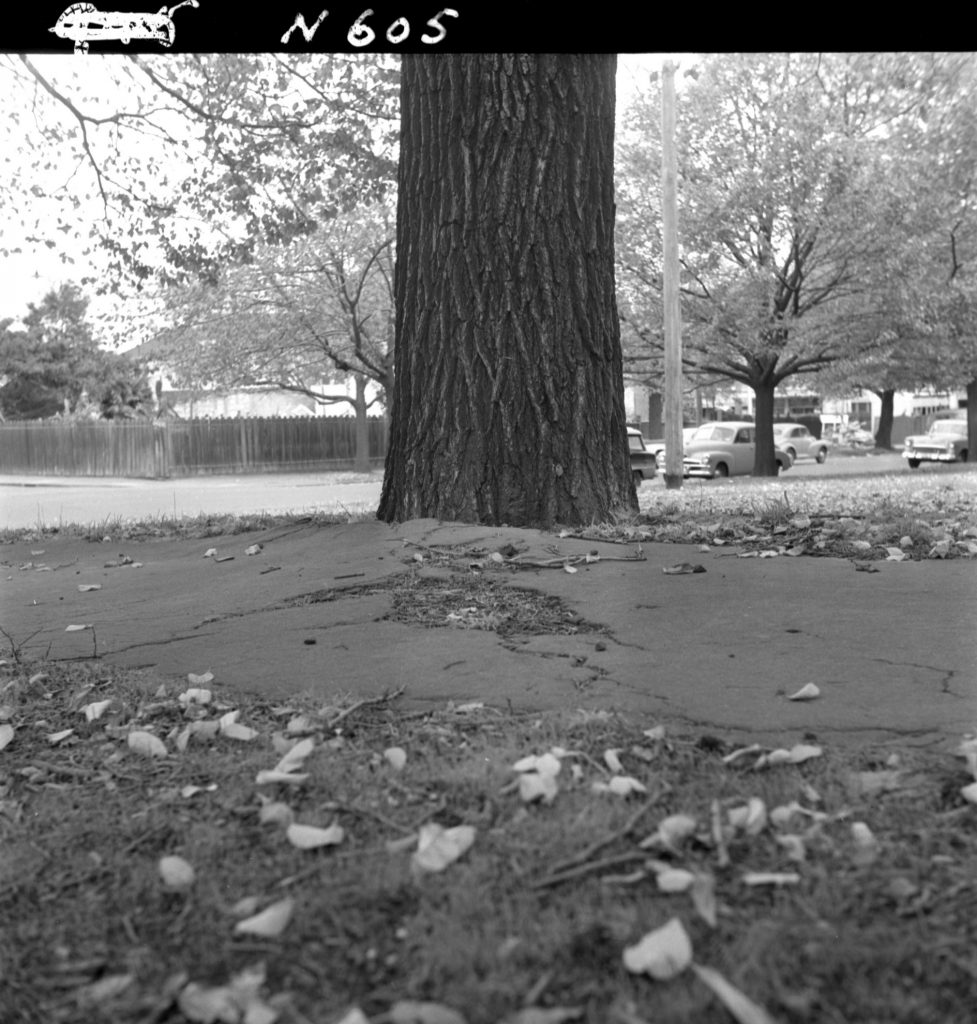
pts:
[53, 365]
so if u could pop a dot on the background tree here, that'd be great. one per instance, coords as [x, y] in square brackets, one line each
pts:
[296, 317]
[49, 365]
[787, 209]
[508, 400]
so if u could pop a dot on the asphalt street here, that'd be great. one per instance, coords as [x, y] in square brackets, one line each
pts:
[28, 501]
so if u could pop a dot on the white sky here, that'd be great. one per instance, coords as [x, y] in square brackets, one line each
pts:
[29, 276]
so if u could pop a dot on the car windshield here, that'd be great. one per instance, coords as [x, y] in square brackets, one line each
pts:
[713, 432]
[787, 429]
[948, 427]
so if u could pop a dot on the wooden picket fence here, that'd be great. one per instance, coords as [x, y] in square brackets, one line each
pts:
[184, 447]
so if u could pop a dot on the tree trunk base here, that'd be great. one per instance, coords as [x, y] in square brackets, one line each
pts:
[673, 481]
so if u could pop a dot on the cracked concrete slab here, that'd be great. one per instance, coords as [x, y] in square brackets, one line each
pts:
[894, 652]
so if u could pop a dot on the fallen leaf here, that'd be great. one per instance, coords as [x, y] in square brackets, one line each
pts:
[270, 775]
[969, 793]
[85, 587]
[793, 845]
[620, 785]
[682, 569]
[104, 989]
[771, 878]
[210, 552]
[613, 761]
[396, 757]
[177, 874]
[662, 953]
[437, 847]
[704, 897]
[274, 812]
[195, 694]
[96, 710]
[781, 816]
[674, 880]
[77, 627]
[238, 1002]
[270, 923]
[742, 1008]
[146, 743]
[354, 1015]
[301, 725]
[535, 786]
[545, 764]
[295, 756]
[246, 906]
[189, 791]
[809, 691]
[655, 733]
[230, 727]
[672, 832]
[57, 737]
[968, 751]
[798, 753]
[6, 735]
[751, 818]
[254, 549]
[569, 568]
[867, 847]
[405, 1011]
[309, 837]
[735, 755]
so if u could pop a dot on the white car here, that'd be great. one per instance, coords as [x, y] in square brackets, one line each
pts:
[945, 441]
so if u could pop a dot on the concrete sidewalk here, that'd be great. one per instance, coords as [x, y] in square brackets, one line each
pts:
[894, 652]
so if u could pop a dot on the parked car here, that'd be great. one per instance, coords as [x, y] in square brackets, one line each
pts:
[643, 464]
[658, 447]
[726, 448]
[945, 441]
[799, 442]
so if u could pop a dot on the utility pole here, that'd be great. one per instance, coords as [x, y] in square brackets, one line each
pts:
[672, 313]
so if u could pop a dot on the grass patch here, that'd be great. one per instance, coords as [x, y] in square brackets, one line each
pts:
[539, 909]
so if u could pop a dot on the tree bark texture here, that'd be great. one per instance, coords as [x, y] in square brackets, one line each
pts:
[764, 463]
[508, 397]
[883, 436]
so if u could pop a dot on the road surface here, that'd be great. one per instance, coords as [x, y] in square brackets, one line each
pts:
[27, 501]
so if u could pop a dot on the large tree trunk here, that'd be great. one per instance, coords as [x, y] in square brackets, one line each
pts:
[508, 397]
[883, 436]
[764, 463]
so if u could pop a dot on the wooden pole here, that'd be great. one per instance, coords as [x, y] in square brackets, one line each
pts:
[672, 313]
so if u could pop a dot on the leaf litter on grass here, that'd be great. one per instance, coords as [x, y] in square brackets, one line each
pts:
[442, 890]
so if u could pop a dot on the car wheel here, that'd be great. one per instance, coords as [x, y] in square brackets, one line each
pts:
[821, 455]
[721, 470]
[778, 467]
[963, 455]
[791, 453]
[913, 463]
[638, 477]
